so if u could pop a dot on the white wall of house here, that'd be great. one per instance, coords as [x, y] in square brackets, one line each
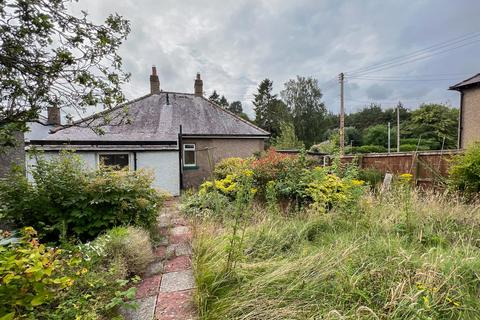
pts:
[164, 164]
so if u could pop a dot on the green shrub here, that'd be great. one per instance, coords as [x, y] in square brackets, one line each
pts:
[65, 199]
[209, 204]
[368, 149]
[131, 245]
[371, 176]
[413, 147]
[464, 173]
[31, 275]
[67, 283]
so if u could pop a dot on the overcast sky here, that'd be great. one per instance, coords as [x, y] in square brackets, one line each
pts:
[236, 44]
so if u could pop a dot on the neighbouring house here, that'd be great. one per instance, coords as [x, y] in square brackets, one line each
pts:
[180, 136]
[469, 117]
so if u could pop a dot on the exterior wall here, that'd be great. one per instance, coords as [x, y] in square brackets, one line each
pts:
[165, 166]
[12, 156]
[470, 116]
[219, 149]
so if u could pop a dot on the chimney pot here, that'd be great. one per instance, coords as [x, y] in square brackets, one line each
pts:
[53, 116]
[154, 81]
[198, 86]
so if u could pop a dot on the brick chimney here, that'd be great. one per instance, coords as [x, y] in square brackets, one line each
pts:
[198, 86]
[53, 116]
[154, 82]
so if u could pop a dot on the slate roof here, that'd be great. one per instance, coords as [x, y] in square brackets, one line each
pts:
[475, 80]
[152, 120]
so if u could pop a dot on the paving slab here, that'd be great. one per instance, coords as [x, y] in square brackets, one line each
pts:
[178, 230]
[183, 249]
[178, 264]
[180, 238]
[148, 287]
[154, 268]
[160, 252]
[175, 306]
[177, 281]
[145, 310]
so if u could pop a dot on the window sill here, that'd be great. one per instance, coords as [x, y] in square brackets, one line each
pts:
[190, 167]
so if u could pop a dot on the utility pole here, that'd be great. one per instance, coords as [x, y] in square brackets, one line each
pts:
[342, 116]
[389, 137]
[398, 127]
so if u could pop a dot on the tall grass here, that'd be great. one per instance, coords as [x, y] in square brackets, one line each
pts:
[398, 256]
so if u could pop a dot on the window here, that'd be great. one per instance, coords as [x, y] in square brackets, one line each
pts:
[117, 160]
[189, 157]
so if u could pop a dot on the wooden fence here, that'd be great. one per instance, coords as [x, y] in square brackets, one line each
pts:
[427, 167]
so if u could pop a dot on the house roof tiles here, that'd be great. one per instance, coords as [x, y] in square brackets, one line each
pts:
[475, 80]
[157, 118]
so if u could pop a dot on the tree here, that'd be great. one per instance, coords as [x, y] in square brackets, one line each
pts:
[223, 102]
[376, 135]
[236, 107]
[353, 136]
[303, 98]
[49, 57]
[287, 139]
[367, 117]
[215, 97]
[435, 122]
[270, 111]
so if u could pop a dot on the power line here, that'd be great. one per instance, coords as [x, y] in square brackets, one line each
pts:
[399, 79]
[418, 54]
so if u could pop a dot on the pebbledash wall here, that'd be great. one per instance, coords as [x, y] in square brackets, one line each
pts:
[218, 149]
[163, 164]
[470, 117]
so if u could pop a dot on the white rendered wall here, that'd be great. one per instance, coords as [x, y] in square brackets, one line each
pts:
[163, 163]
[166, 169]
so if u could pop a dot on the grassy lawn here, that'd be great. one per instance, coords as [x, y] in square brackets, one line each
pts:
[402, 255]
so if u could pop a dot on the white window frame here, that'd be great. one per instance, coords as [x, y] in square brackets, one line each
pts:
[192, 147]
[130, 164]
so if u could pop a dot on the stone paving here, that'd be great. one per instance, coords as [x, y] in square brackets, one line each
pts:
[166, 290]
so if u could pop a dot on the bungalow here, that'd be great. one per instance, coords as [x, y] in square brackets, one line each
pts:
[178, 135]
[469, 117]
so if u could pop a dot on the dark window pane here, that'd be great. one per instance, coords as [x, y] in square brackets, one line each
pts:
[189, 157]
[119, 161]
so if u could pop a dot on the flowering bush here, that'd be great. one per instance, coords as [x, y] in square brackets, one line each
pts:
[289, 179]
[270, 166]
[330, 191]
[230, 166]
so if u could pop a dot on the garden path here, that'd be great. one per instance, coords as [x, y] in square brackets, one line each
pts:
[166, 290]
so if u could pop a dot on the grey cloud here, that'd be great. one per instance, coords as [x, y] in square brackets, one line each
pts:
[378, 92]
[236, 44]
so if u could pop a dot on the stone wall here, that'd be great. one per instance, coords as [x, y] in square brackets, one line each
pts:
[470, 116]
[12, 156]
[218, 150]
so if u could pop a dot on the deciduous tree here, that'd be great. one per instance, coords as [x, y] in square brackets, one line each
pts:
[50, 57]
[303, 98]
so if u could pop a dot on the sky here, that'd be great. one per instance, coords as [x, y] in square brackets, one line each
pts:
[236, 44]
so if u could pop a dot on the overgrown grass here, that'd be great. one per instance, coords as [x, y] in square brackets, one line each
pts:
[398, 256]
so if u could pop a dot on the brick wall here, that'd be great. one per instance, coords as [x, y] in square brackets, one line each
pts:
[219, 149]
[426, 167]
[471, 116]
